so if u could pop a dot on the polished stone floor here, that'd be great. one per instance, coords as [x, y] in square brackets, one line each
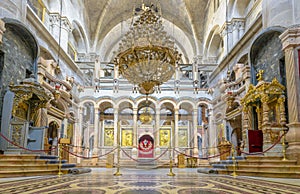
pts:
[156, 181]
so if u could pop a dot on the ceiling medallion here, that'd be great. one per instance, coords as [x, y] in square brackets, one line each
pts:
[147, 57]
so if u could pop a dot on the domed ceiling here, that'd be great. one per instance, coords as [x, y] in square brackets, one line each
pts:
[103, 16]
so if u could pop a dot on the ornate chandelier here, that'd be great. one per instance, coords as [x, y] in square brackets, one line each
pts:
[147, 57]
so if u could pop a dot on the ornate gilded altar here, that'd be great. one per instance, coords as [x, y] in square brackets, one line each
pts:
[265, 102]
[22, 103]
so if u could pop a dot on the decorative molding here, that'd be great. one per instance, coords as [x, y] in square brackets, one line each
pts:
[2, 29]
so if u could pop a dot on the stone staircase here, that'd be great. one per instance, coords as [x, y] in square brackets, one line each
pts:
[146, 163]
[261, 166]
[31, 165]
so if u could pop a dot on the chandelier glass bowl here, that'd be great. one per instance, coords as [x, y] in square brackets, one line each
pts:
[147, 57]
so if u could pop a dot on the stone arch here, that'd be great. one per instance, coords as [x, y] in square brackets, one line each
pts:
[79, 38]
[186, 101]
[18, 29]
[45, 53]
[209, 38]
[126, 100]
[88, 114]
[215, 47]
[239, 8]
[105, 100]
[266, 54]
[88, 101]
[164, 101]
[104, 104]
[167, 112]
[150, 99]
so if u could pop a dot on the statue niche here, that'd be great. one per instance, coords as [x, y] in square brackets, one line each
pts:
[264, 110]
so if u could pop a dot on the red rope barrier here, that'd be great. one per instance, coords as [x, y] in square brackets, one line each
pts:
[144, 161]
[88, 157]
[261, 153]
[189, 156]
[13, 143]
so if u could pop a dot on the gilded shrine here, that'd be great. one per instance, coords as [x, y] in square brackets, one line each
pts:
[264, 110]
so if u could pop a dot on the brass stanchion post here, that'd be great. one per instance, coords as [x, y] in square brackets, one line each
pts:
[119, 150]
[171, 164]
[59, 158]
[234, 161]
[284, 145]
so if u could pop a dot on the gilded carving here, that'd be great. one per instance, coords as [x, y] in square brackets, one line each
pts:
[164, 137]
[108, 137]
[29, 92]
[127, 137]
[268, 100]
[183, 140]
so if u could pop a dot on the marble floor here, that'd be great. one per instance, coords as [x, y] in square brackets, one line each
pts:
[155, 181]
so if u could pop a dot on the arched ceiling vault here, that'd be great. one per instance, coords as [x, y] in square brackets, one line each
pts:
[103, 15]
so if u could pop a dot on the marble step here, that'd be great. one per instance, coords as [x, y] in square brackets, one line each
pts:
[6, 168]
[28, 167]
[17, 156]
[266, 168]
[263, 158]
[267, 162]
[24, 173]
[146, 164]
[21, 161]
[14, 165]
[261, 173]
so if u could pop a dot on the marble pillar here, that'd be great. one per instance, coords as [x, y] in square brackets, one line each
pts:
[60, 26]
[134, 127]
[195, 133]
[157, 127]
[116, 125]
[290, 42]
[96, 132]
[176, 127]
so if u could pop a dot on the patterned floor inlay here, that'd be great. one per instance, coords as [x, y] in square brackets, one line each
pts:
[134, 181]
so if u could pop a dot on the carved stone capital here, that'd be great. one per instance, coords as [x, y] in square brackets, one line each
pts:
[290, 37]
[2, 29]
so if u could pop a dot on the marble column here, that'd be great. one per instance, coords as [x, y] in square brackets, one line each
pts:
[229, 36]
[116, 125]
[2, 29]
[290, 43]
[195, 133]
[96, 132]
[235, 32]
[176, 127]
[134, 128]
[241, 26]
[157, 127]
[64, 32]
[225, 39]
[78, 133]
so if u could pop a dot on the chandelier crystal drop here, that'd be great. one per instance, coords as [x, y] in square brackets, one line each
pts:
[147, 57]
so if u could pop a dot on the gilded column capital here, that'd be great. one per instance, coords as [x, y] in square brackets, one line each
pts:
[2, 29]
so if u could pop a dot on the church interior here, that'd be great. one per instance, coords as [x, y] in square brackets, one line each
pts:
[149, 96]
